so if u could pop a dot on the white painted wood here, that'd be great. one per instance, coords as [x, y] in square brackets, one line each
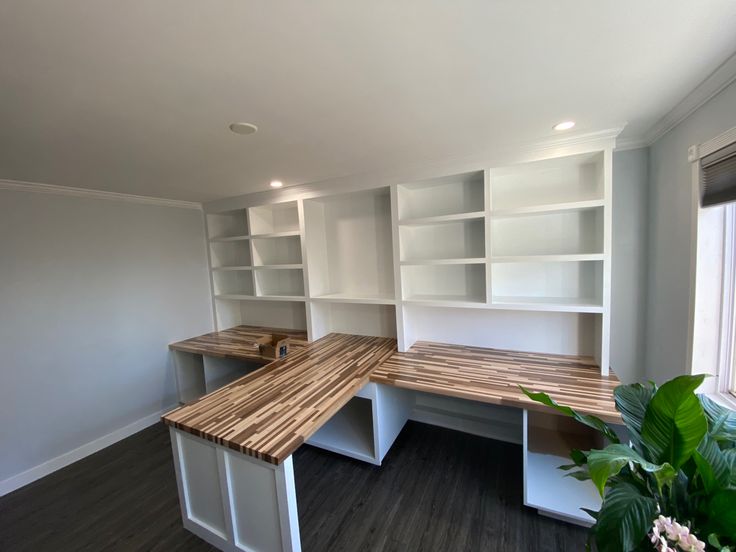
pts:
[228, 224]
[275, 218]
[403, 334]
[350, 431]
[234, 501]
[230, 253]
[560, 180]
[233, 282]
[453, 240]
[271, 282]
[277, 251]
[189, 373]
[449, 195]
[547, 442]
[221, 371]
[349, 244]
[392, 407]
[353, 318]
[463, 283]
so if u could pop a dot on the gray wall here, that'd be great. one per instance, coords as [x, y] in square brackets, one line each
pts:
[91, 293]
[629, 267]
[668, 289]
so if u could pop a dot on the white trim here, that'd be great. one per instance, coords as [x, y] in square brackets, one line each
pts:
[569, 145]
[726, 340]
[723, 76]
[631, 143]
[20, 186]
[37, 472]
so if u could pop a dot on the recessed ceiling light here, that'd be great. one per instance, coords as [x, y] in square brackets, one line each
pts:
[276, 184]
[243, 128]
[564, 125]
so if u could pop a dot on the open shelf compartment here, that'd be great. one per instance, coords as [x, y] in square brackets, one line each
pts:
[270, 282]
[228, 224]
[233, 282]
[353, 318]
[548, 439]
[463, 283]
[567, 284]
[230, 254]
[349, 431]
[550, 182]
[561, 233]
[449, 195]
[277, 251]
[274, 219]
[452, 240]
[349, 246]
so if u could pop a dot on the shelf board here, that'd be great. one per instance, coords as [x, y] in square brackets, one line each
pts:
[441, 219]
[548, 208]
[353, 298]
[296, 266]
[235, 297]
[547, 258]
[221, 268]
[230, 238]
[465, 261]
[447, 301]
[555, 304]
[275, 235]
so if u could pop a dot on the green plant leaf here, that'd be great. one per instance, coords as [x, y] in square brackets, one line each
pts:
[604, 464]
[624, 519]
[721, 420]
[631, 402]
[590, 421]
[674, 423]
[722, 513]
[730, 458]
[580, 475]
[713, 468]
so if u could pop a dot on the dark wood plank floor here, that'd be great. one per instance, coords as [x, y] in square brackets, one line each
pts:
[438, 490]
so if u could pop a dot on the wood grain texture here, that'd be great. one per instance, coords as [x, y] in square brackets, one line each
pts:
[493, 376]
[239, 343]
[269, 413]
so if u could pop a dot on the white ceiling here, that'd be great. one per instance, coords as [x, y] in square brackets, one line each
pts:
[136, 96]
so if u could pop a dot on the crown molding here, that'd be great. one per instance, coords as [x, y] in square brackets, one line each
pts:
[631, 143]
[719, 79]
[569, 144]
[37, 187]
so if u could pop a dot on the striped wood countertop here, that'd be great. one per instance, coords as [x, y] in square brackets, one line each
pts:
[239, 343]
[269, 413]
[493, 376]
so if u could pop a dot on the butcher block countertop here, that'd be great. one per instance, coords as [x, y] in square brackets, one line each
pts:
[270, 412]
[239, 343]
[493, 376]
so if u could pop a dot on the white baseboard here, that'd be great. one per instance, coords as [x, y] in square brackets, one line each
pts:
[37, 472]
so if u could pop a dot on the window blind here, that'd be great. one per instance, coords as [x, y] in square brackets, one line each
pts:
[719, 176]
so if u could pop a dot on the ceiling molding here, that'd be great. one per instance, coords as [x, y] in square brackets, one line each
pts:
[723, 76]
[631, 143]
[20, 186]
[570, 144]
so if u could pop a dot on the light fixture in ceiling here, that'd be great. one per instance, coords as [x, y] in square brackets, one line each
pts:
[276, 184]
[243, 128]
[564, 125]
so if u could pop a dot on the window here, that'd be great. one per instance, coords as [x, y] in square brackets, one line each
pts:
[712, 346]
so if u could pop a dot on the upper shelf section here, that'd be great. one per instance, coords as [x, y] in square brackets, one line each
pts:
[277, 218]
[349, 247]
[442, 198]
[230, 225]
[554, 184]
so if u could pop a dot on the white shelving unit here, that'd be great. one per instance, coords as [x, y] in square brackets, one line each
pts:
[548, 440]
[498, 253]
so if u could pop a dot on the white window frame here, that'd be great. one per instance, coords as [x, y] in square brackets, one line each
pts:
[712, 335]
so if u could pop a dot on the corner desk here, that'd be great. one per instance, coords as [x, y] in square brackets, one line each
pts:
[244, 416]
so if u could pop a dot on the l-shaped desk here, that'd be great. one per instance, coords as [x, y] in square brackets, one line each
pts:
[352, 395]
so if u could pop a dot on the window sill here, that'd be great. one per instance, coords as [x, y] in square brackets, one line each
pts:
[724, 399]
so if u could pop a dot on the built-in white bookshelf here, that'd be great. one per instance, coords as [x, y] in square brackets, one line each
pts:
[518, 250]
[349, 247]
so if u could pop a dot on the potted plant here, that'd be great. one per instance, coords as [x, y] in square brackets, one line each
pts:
[672, 485]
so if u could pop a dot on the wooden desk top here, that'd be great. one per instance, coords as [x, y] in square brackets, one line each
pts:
[493, 376]
[269, 413]
[239, 343]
